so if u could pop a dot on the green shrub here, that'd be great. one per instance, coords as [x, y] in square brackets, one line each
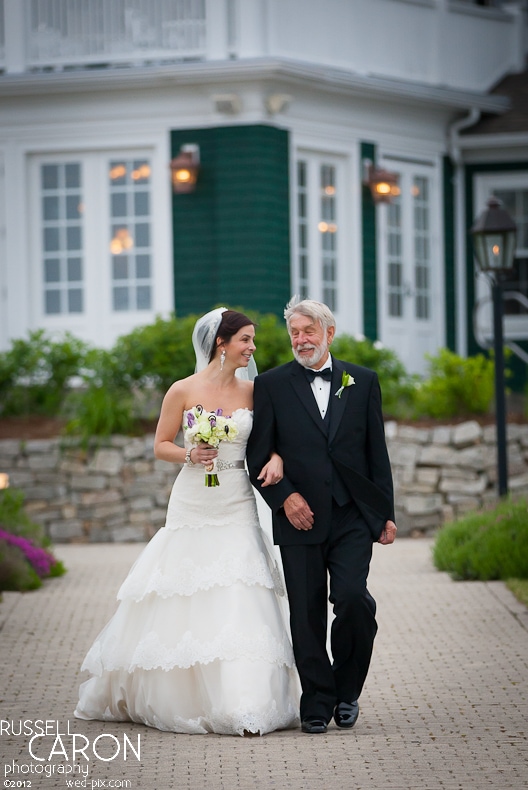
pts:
[271, 339]
[155, 355]
[25, 556]
[35, 373]
[487, 545]
[126, 383]
[456, 386]
[16, 573]
[161, 353]
[105, 403]
[397, 386]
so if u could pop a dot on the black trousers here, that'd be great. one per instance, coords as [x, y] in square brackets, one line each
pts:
[344, 558]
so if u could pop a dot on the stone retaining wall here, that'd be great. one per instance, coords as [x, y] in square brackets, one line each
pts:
[444, 472]
[119, 491]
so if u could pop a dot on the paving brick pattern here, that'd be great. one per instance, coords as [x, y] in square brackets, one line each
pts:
[445, 706]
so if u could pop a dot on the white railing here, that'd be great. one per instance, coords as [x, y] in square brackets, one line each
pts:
[79, 32]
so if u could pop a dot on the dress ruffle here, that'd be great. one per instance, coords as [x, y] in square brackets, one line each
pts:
[198, 643]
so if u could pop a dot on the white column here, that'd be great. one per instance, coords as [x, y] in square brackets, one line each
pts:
[519, 41]
[15, 36]
[440, 33]
[252, 26]
[216, 29]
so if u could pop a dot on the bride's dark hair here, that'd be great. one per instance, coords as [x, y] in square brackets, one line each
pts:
[231, 323]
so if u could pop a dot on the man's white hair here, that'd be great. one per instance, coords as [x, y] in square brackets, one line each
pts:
[317, 311]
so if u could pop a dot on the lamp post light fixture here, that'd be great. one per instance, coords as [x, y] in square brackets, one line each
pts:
[494, 238]
[184, 169]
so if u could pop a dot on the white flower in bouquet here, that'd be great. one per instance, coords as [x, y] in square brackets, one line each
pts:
[209, 427]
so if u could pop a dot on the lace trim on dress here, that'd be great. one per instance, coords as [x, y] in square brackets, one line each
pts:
[151, 653]
[196, 519]
[236, 722]
[239, 721]
[187, 578]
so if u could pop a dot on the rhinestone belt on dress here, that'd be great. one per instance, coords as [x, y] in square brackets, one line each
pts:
[222, 465]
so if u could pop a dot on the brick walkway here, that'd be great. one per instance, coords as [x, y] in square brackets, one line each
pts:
[445, 704]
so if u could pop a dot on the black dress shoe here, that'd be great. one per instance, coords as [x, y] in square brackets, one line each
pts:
[346, 714]
[314, 726]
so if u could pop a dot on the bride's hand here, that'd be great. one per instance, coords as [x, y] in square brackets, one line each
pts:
[272, 472]
[203, 454]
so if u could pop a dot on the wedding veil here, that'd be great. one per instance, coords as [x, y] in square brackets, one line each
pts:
[203, 337]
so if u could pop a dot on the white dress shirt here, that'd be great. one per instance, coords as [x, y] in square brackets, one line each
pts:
[321, 388]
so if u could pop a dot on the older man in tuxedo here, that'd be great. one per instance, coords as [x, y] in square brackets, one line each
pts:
[323, 416]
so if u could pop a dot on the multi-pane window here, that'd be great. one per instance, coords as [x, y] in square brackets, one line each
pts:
[130, 234]
[317, 243]
[515, 201]
[328, 229]
[395, 280]
[302, 229]
[409, 249]
[422, 247]
[62, 237]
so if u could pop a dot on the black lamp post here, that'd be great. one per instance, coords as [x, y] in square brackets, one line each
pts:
[494, 236]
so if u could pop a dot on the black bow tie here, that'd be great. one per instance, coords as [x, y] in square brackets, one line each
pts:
[326, 374]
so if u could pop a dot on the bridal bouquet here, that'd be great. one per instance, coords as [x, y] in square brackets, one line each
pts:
[211, 428]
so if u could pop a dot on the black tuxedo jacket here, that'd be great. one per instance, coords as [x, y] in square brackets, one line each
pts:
[352, 444]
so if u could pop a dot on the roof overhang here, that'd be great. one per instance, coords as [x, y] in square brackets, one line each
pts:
[291, 72]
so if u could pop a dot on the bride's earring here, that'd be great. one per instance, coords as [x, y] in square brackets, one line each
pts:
[222, 359]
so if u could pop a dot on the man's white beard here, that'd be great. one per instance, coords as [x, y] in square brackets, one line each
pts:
[311, 361]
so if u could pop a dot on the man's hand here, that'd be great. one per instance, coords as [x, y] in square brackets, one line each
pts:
[298, 512]
[389, 533]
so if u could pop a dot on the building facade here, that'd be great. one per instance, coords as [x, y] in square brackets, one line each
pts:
[289, 105]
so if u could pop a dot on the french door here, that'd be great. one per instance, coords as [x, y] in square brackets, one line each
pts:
[410, 297]
[93, 243]
[319, 233]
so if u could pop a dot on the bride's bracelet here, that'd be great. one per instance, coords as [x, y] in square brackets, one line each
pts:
[188, 460]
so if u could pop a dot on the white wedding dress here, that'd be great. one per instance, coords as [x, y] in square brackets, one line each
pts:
[198, 643]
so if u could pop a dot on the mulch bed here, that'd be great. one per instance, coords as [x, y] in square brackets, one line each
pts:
[37, 427]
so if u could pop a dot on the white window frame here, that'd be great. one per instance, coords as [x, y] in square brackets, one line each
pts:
[410, 335]
[99, 324]
[315, 160]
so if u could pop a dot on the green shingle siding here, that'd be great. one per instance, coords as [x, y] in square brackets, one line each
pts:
[231, 236]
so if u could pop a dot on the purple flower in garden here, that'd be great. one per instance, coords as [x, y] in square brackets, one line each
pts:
[39, 558]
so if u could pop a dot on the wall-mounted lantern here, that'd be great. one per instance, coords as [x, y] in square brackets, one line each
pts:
[383, 184]
[184, 169]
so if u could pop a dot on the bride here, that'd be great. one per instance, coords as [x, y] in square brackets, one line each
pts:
[198, 643]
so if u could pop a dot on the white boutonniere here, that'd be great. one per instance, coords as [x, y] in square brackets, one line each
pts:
[346, 381]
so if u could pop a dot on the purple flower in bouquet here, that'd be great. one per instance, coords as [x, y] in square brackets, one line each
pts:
[210, 428]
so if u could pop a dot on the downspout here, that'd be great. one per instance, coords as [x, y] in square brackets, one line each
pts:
[454, 131]
[459, 223]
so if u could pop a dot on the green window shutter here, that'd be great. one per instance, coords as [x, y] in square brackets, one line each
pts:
[449, 252]
[232, 235]
[370, 275]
